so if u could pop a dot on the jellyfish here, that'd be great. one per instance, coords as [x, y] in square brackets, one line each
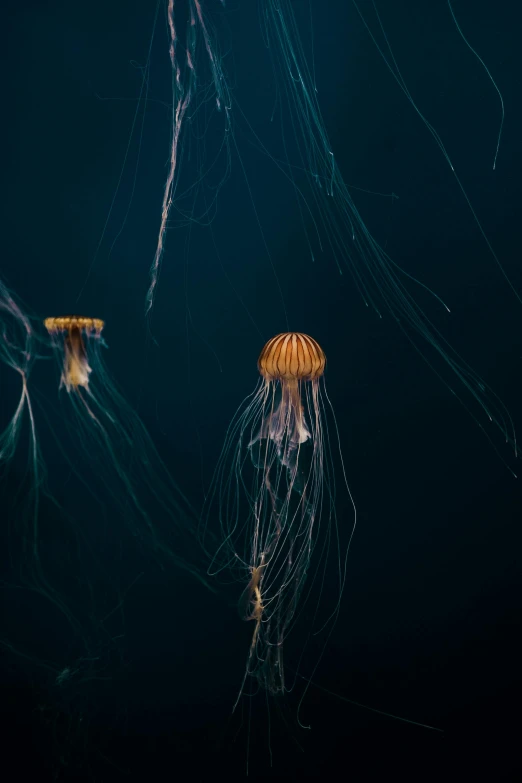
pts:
[276, 487]
[88, 506]
[332, 225]
[76, 367]
[109, 444]
[333, 221]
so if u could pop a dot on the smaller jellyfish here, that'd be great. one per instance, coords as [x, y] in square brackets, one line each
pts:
[110, 450]
[77, 342]
[272, 505]
[77, 330]
[24, 486]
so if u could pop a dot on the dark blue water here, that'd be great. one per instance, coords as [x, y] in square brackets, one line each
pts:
[137, 679]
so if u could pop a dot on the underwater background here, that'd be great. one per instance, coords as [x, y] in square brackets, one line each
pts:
[428, 626]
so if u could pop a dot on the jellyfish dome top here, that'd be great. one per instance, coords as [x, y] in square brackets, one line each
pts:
[69, 323]
[292, 356]
[272, 505]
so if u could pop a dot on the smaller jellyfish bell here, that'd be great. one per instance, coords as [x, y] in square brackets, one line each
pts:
[77, 329]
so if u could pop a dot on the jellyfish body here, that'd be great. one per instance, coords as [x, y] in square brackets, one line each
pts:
[290, 359]
[125, 470]
[271, 505]
[76, 368]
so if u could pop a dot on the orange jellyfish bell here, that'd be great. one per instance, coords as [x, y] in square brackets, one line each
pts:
[292, 356]
[67, 323]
